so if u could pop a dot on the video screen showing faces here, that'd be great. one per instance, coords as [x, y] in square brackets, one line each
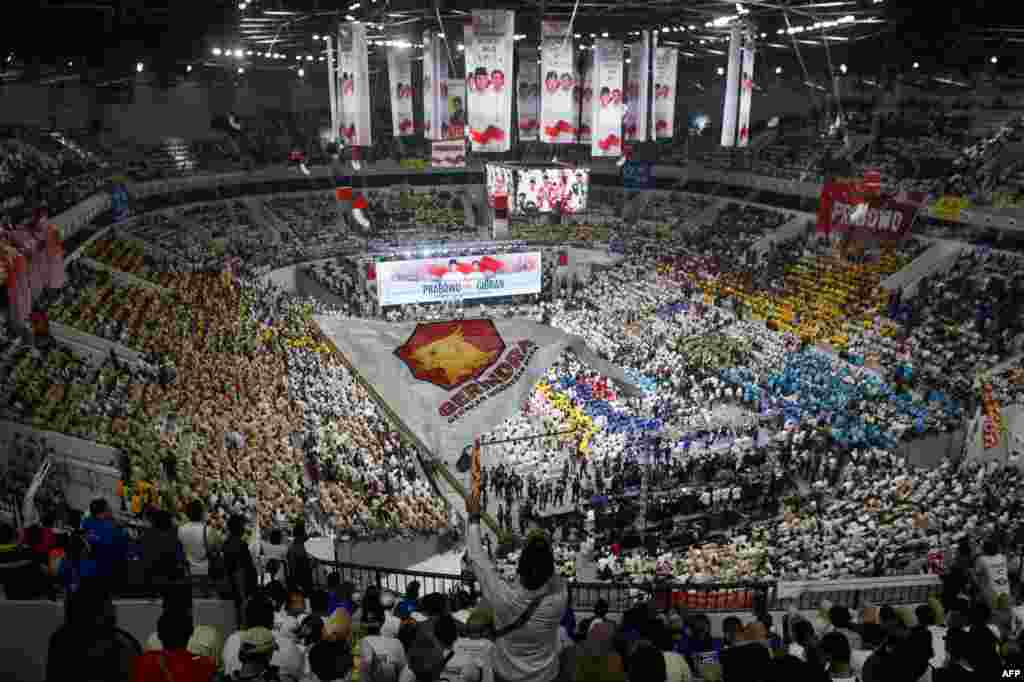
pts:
[546, 190]
[499, 182]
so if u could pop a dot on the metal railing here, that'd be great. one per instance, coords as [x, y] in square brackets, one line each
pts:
[667, 595]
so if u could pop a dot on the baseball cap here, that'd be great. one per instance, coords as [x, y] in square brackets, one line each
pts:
[258, 640]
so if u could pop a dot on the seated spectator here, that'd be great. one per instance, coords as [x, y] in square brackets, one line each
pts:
[646, 664]
[174, 661]
[331, 661]
[257, 649]
[745, 655]
[527, 616]
[287, 657]
[90, 646]
[836, 650]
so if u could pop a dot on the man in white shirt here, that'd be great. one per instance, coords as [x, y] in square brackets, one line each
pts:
[191, 535]
[288, 658]
[992, 574]
[526, 615]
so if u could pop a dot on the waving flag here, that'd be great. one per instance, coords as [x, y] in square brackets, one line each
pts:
[450, 382]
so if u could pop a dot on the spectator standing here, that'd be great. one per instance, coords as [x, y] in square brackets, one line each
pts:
[163, 559]
[992, 574]
[22, 574]
[298, 566]
[109, 544]
[331, 661]
[286, 657]
[527, 616]
[381, 658]
[239, 569]
[199, 541]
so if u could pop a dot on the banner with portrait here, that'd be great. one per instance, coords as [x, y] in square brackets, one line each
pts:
[634, 124]
[489, 40]
[606, 138]
[587, 99]
[353, 85]
[454, 95]
[557, 99]
[746, 90]
[528, 94]
[666, 66]
[400, 80]
[732, 87]
[435, 75]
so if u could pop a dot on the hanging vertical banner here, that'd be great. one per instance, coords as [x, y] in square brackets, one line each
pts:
[435, 75]
[489, 43]
[332, 88]
[666, 64]
[400, 78]
[746, 89]
[635, 120]
[732, 86]
[586, 99]
[528, 89]
[557, 104]
[354, 84]
[454, 91]
[606, 138]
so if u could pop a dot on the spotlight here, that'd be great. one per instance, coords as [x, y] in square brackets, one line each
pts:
[842, 67]
[217, 52]
[239, 53]
[994, 60]
[778, 70]
[241, 70]
[188, 69]
[316, 36]
[917, 65]
[721, 71]
[302, 73]
[138, 67]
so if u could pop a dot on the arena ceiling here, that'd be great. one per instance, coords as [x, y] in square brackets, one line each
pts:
[867, 35]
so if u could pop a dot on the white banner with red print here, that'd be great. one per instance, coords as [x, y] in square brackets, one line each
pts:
[400, 78]
[587, 100]
[528, 94]
[353, 85]
[746, 92]
[452, 381]
[489, 40]
[634, 124]
[435, 95]
[732, 86]
[666, 65]
[606, 138]
[558, 97]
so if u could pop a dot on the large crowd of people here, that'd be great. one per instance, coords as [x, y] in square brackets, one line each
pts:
[782, 394]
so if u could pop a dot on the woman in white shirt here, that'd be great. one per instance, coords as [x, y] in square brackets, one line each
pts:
[381, 659]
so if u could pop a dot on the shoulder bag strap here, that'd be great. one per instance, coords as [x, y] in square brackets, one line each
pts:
[163, 666]
[522, 620]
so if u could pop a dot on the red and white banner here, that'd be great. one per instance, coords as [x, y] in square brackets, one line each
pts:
[666, 65]
[587, 100]
[732, 86]
[448, 153]
[528, 97]
[746, 91]
[634, 124]
[400, 78]
[489, 40]
[558, 101]
[435, 76]
[872, 182]
[606, 138]
[846, 208]
[353, 85]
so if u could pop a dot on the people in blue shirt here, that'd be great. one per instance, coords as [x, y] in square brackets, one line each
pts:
[697, 644]
[108, 544]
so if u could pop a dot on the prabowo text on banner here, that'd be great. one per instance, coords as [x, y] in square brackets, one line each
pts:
[445, 278]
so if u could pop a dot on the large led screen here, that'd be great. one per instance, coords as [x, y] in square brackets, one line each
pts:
[433, 280]
[545, 190]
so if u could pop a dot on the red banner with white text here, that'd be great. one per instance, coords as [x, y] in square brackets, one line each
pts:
[847, 208]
